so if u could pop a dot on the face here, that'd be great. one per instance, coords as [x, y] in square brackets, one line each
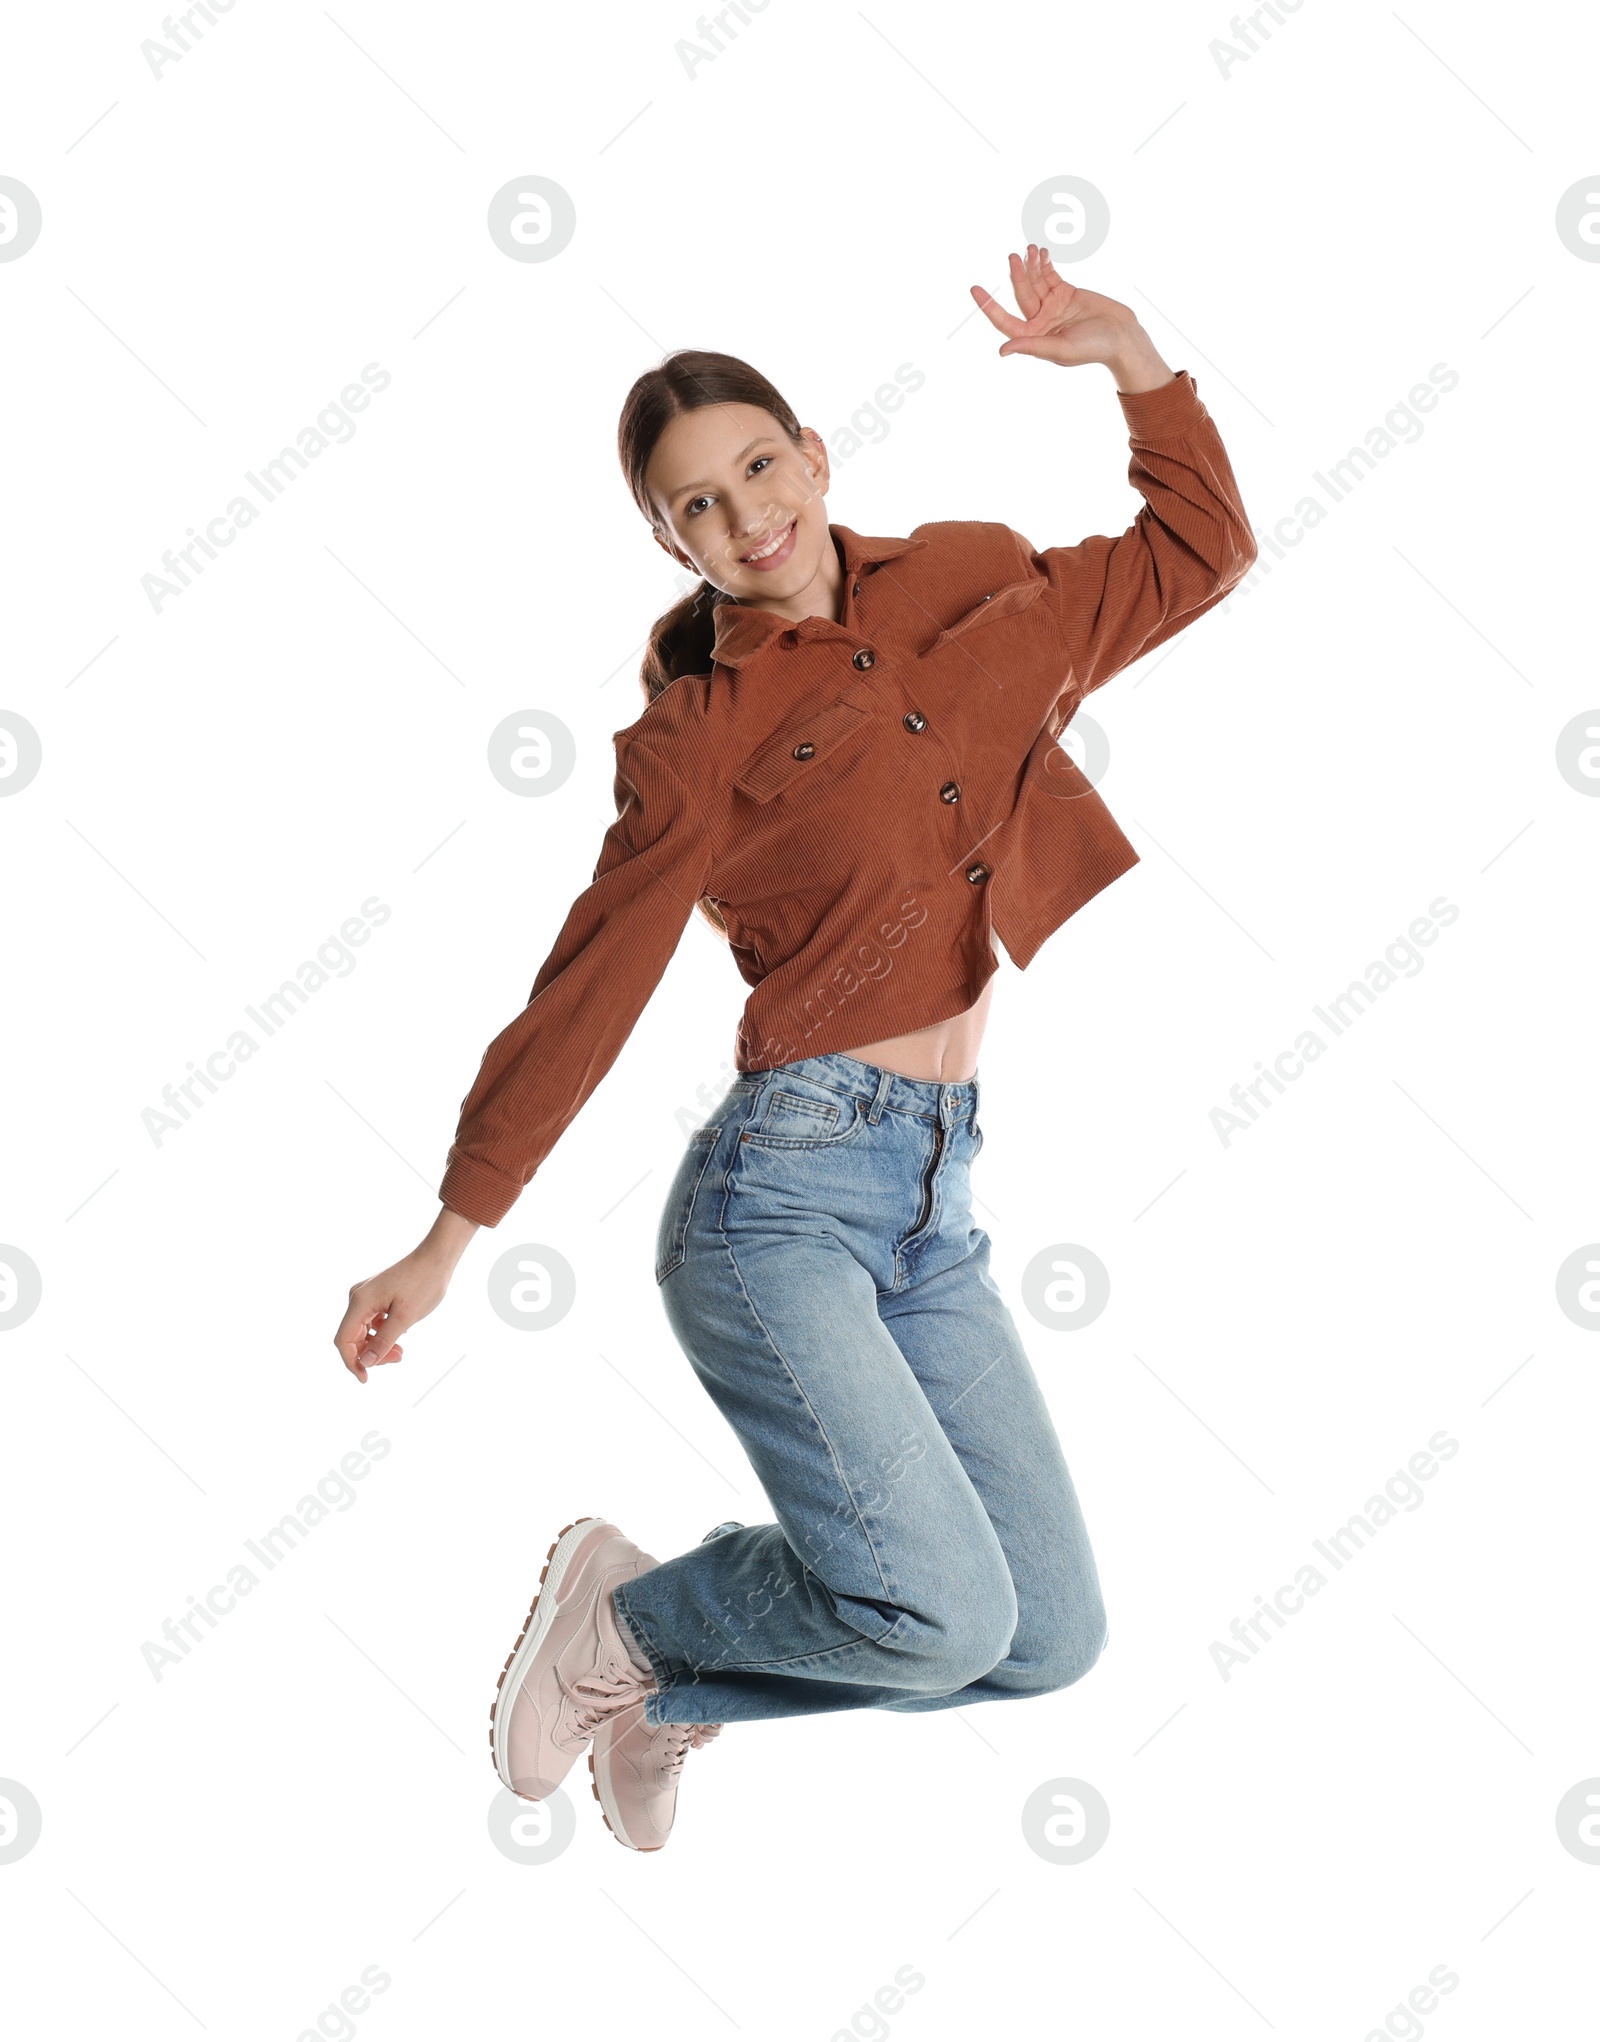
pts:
[739, 503]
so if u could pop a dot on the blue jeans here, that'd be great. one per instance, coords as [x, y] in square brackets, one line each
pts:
[821, 1269]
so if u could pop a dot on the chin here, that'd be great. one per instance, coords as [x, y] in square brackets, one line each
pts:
[800, 569]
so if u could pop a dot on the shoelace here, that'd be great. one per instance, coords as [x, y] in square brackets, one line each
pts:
[598, 1697]
[686, 1737]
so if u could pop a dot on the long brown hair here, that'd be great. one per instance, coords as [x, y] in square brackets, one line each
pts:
[681, 638]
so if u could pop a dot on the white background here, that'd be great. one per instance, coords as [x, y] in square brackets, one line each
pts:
[1368, 726]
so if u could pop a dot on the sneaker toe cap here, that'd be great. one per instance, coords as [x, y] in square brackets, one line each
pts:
[532, 1787]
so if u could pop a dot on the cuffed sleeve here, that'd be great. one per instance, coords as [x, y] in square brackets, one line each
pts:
[617, 940]
[1116, 599]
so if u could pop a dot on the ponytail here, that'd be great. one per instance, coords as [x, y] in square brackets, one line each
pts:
[681, 641]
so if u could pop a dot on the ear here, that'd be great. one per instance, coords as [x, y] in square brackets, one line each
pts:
[815, 455]
[676, 552]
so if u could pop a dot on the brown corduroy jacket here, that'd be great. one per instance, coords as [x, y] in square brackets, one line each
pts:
[863, 799]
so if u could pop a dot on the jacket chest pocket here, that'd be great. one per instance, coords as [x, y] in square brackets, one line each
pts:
[798, 745]
[1010, 600]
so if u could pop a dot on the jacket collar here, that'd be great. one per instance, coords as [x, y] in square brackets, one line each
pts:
[743, 630]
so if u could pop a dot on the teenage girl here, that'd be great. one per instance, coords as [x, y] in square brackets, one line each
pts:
[848, 761]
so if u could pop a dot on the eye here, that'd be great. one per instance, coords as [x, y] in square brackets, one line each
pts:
[692, 508]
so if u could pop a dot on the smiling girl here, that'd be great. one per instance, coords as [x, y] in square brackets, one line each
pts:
[848, 761]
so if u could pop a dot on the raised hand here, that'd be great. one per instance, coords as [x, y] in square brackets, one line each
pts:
[1064, 324]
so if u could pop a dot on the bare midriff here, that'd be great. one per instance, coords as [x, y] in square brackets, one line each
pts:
[946, 1052]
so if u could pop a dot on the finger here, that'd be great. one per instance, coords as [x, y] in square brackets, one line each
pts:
[1031, 286]
[351, 1337]
[376, 1344]
[365, 1337]
[995, 312]
[360, 1362]
[1050, 284]
[1024, 281]
[1061, 293]
[380, 1346]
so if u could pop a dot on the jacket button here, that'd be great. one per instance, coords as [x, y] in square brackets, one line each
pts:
[804, 751]
[949, 791]
[990, 597]
[914, 720]
[977, 874]
[865, 658]
[856, 589]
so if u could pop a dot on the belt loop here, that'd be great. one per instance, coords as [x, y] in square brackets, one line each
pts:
[880, 1097]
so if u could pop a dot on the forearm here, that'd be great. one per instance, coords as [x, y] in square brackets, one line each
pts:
[1136, 365]
[449, 1235]
[1117, 598]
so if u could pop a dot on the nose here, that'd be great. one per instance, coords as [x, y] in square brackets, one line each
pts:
[746, 535]
[754, 511]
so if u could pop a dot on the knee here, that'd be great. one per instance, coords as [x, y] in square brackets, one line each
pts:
[1054, 1656]
[959, 1643]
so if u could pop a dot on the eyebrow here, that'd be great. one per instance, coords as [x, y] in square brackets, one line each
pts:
[686, 488]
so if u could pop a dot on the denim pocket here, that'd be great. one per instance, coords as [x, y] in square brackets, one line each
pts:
[798, 1113]
[672, 1237]
[793, 1114]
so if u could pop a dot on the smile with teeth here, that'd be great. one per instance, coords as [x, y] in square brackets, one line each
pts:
[771, 547]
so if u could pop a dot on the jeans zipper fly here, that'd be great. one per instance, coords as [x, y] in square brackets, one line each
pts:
[927, 1184]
